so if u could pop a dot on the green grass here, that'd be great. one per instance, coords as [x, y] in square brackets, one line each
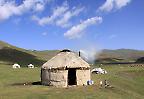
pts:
[127, 83]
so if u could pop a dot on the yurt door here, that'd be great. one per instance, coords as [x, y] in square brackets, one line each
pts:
[72, 76]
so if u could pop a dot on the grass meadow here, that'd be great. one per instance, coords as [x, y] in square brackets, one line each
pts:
[127, 83]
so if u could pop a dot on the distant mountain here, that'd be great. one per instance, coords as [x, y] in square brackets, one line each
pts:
[119, 55]
[13, 54]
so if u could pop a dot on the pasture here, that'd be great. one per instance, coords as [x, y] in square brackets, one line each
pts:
[127, 83]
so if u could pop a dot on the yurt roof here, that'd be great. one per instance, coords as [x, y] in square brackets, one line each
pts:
[66, 58]
[30, 65]
[16, 64]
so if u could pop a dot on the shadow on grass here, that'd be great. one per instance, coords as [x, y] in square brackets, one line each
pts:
[27, 83]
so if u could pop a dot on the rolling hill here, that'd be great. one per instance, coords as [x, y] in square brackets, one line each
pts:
[13, 54]
[120, 56]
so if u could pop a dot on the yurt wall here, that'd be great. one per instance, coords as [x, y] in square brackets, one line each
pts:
[82, 77]
[56, 78]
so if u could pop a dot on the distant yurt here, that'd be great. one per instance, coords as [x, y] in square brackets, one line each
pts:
[64, 69]
[99, 71]
[30, 66]
[15, 65]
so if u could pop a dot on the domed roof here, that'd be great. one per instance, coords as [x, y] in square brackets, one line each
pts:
[66, 58]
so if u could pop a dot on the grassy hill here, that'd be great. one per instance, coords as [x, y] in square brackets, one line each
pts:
[119, 56]
[13, 54]
[46, 54]
[16, 56]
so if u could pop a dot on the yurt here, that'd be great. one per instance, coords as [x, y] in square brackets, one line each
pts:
[30, 66]
[15, 65]
[65, 69]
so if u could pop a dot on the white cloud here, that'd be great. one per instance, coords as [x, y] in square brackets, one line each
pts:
[10, 8]
[110, 5]
[57, 12]
[77, 31]
[61, 16]
[121, 3]
[107, 6]
[39, 7]
[64, 21]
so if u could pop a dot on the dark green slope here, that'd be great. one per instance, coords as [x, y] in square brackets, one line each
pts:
[12, 54]
[140, 60]
[15, 56]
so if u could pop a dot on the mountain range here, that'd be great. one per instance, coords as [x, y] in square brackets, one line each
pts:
[12, 54]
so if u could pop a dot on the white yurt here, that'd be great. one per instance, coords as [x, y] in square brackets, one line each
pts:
[65, 69]
[15, 65]
[30, 66]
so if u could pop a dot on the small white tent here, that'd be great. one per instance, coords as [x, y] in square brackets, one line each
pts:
[30, 66]
[98, 71]
[15, 65]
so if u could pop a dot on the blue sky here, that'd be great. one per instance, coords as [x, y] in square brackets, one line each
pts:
[73, 24]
